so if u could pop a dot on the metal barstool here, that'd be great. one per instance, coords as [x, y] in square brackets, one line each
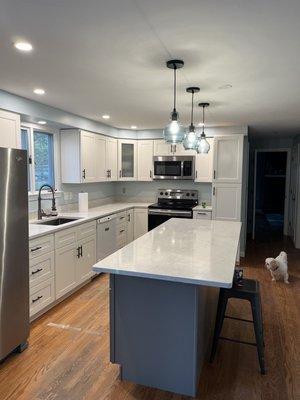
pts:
[248, 289]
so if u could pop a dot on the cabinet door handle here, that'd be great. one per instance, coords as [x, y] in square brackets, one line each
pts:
[36, 248]
[196, 174]
[106, 229]
[110, 173]
[214, 191]
[36, 271]
[120, 173]
[36, 299]
[107, 173]
[150, 174]
[81, 252]
[78, 252]
[214, 174]
[83, 173]
[128, 219]
[175, 148]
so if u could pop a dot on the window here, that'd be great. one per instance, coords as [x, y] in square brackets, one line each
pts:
[43, 159]
[39, 146]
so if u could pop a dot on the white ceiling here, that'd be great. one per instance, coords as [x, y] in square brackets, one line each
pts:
[95, 56]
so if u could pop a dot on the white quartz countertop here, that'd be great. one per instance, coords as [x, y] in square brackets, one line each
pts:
[200, 208]
[36, 230]
[194, 251]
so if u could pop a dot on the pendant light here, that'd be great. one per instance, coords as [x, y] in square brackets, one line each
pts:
[203, 146]
[174, 131]
[190, 138]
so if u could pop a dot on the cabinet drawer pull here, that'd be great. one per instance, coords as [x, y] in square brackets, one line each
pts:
[36, 271]
[202, 213]
[36, 248]
[123, 230]
[36, 299]
[106, 229]
[122, 217]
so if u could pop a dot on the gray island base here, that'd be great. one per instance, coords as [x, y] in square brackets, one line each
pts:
[161, 331]
[163, 296]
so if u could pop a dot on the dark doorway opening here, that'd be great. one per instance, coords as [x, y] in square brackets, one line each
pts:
[271, 169]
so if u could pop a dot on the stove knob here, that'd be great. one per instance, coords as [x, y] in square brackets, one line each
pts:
[166, 193]
[161, 193]
[193, 194]
[187, 195]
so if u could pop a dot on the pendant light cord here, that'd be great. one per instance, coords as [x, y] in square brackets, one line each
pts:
[174, 108]
[203, 120]
[192, 112]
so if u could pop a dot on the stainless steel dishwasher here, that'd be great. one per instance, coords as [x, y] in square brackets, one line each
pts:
[106, 236]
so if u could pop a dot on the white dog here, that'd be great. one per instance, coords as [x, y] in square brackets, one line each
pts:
[278, 267]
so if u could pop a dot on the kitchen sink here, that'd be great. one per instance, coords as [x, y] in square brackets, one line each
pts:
[57, 221]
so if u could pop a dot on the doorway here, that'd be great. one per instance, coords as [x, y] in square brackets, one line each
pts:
[270, 205]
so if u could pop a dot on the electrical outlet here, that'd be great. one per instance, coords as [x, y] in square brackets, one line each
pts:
[123, 190]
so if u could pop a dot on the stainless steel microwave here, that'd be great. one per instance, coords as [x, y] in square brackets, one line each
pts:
[174, 167]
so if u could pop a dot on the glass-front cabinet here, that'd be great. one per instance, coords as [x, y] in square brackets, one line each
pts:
[127, 160]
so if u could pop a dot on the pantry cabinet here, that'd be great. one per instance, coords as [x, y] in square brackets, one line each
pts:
[228, 159]
[127, 160]
[145, 160]
[226, 201]
[10, 129]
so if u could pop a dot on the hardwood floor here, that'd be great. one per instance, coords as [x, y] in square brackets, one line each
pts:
[68, 355]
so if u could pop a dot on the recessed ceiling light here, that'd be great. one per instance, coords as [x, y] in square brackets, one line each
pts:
[105, 116]
[39, 91]
[42, 122]
[133, 127]
[23, 46]
[226, 86]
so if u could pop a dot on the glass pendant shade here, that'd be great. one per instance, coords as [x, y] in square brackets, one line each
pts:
[203, 146]
[190, 138]
[174, 132]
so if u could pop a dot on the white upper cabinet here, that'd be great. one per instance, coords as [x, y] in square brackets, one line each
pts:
[145, 160]
[226, 201]
[100, 158]
[84, 157]
[88, 156]
[10, 130]
[127, 160]
[179, 150]
[204, 164]
[228, 159]
[111, 159]
[161, 148]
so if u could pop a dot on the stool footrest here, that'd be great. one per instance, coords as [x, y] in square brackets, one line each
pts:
[239, 319]
[237, 341]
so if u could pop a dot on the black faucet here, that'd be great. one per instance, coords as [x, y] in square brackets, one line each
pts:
[41, 212]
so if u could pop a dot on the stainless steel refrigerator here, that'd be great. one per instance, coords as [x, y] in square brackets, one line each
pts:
[14, 258]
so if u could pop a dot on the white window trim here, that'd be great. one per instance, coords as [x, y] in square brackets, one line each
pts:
[33, 194]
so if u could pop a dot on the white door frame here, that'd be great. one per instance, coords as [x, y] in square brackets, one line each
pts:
[287, 186]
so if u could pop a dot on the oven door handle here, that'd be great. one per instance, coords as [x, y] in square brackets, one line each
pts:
[174, 213]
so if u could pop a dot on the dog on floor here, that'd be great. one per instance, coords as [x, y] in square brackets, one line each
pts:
[278, 267]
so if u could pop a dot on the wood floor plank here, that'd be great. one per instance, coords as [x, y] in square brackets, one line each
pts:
[68, 355]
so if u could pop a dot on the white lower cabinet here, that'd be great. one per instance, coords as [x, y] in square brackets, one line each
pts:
[73, 262]
[87, 259]
[130, 226]
[41, 296]
[140, 222]
[226, 201]
[65, 269]
[202, 214]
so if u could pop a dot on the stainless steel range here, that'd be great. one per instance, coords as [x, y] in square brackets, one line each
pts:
[171, 203]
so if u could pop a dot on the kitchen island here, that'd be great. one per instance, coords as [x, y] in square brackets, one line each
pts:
[163, 296]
